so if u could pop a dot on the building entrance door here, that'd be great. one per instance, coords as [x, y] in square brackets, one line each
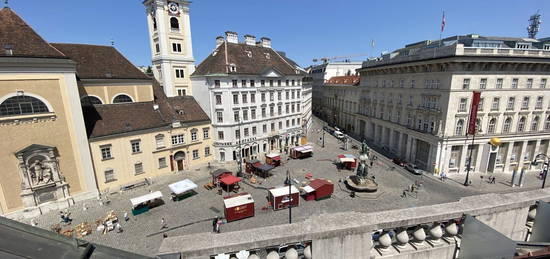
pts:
[491, 165]
[180, 158]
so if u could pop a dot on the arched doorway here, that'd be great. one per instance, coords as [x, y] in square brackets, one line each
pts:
[180, 160]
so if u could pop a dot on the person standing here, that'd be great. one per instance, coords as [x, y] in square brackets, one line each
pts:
[163, 223]
[126, 218]
[218, 224]
[214, 224]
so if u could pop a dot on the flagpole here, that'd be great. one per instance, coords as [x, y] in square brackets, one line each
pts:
[440, 32]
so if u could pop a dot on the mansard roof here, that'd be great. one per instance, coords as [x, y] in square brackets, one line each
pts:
[247, 59]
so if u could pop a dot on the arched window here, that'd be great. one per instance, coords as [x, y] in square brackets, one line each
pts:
[535, 124]
[521, 124]
[507, 124]
[174, 23]
[90, 100]
[492, 126]
[21, 105]
[459, 127]
[547, 124]
[122, 98]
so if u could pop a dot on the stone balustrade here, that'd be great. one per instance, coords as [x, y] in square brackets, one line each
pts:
[422, 232]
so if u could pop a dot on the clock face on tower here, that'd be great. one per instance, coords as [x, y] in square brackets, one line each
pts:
[173, 7]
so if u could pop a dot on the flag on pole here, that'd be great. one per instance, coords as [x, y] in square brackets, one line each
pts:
[443, 22]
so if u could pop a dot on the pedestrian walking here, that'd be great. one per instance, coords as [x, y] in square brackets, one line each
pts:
[126, 218]
[163, 224]
[214, 223]
[443, 176]
[493, 179]
[118, 228]
[218, 224]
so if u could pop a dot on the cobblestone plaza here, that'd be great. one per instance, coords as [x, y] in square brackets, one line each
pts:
[143, 234]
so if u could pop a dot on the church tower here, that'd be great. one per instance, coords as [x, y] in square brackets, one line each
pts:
[171, 48]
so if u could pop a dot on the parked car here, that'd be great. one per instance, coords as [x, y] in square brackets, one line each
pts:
[398, 161]
[328, 129]
[299, 248]
[338, 134]
[413, 169]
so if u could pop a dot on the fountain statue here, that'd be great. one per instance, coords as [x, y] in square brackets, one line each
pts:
[361, 182]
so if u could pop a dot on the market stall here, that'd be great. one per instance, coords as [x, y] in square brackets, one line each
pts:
[252, 165]
[273, 159]
[301, 152]
[238, 206]
[219, 173]
[182, 189]
[146, 202]
[279, 197]
[347, 161]
[230, 182]
[318, 189]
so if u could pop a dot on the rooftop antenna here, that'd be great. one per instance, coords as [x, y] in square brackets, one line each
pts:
[534, 25]
[112, 42]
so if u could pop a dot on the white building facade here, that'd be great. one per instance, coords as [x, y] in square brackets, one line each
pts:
[171, 46]
[255, 98]
[416, 102]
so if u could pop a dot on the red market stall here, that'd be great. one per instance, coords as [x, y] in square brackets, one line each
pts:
[219, 173]
[256, 167]
[318, 189]
[230, 182]
[273, 159]
[348, 161]
[279, 197]
[252, 165]
[238, 206]
[301, 152]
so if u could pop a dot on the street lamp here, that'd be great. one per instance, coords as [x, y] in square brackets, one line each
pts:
[289, 196]
[544, 167]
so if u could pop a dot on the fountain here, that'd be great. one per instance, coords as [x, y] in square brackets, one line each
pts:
[361, 182]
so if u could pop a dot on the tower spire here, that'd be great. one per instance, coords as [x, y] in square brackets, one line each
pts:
[6, 3]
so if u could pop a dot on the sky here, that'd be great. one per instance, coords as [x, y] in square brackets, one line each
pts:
[304, 29]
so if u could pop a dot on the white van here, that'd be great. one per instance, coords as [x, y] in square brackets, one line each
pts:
[338, 134]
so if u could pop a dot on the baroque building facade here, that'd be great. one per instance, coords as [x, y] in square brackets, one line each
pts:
[171, 45]
[254, 95]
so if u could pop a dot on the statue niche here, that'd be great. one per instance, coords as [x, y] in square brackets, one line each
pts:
[41, 179]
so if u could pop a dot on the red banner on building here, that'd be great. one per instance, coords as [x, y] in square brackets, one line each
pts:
[473, 113]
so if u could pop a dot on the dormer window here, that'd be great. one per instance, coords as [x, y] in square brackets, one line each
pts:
[267, 55]
[248, 53]
[523, 45]
[546, 47]
[232, 68]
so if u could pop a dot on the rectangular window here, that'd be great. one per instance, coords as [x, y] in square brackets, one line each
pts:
[483, 83]
[157, 48]
[262, 82]
[272, 126]
[254, 131]
[292, 94]
[287, 95]
[271, 111]
[538, 106]
[219, 117]
[179, 73]
[529, 83]
[234, 83]
[162, 162]
[252, 83]
[413, 83]
[253, 113]
[510, 105]
[220, 135]
[181, 92]
[206, 133]
[178, 139]
[263, 112]
[280, 125]
[217, 83]
[280, 110]
[237, 133]
[253, 98]
[287, 123]
[287, 82]
[480, 106]
[263, 97]
[543, 83]
[135, 146]
[293, 82]
[218, 99]
[196, 154]
[278, 82]
[236, 116]
[264, 128]
[207, 151]
[194, 135]
[466, 83]
[245, 98]
[235, 99]
[159, 141]
[401, 83]
[499, 83]
[271, 97]
[138, 168]
[243, 83]
[495, 105]
[176, 47]
[515, 83]
[525, 103]
[106, 152]
[279, 96]
[270, 82]
[463, 104]
[109, 176]
[287, 108]
[245, 115]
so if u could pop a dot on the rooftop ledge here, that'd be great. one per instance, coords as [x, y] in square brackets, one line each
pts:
[456, 50]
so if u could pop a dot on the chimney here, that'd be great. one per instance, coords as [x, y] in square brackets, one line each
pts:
[219, 41]
[232, 37]
[266, 42]
[250, 40]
